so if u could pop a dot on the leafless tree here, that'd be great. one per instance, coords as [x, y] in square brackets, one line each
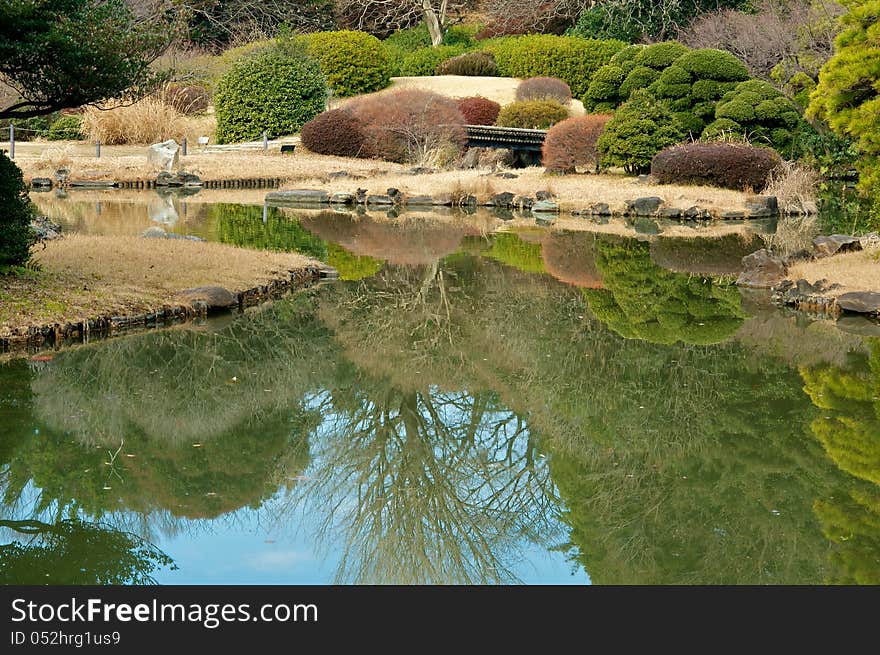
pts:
[544, 16]
[382, 17]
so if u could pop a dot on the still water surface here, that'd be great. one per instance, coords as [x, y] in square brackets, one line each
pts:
[464, 405]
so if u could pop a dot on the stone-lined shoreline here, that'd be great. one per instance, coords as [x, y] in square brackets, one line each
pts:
[57, 335]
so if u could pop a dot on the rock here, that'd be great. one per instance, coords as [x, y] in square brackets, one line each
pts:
[825, 246]
[600, 209]
[762, 270]
[733, 214]
[342, 198]
[502, 199]
[646, 179]
[298, 196]
[762, 206]
[93, 184]
[380, 200]
[471, 158]
[46, 229]
[419, 201]
[859, 325]
[798, 255]
[502, 213]
[336, 175]
[360, 196]
[646, 206]
[545, 207]
[507, 176]
[164, 155]
[61, 175]
[420, 170]
[395, 195]
[804, 288]
[214, 298]
[545, 195]
[670, 212]
[179, 179]
[154, 232]
[469, 200]
[644, 225]
[860, 302]
[696, 213]
[41, 183]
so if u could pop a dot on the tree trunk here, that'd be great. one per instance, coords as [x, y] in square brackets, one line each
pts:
[434, 21]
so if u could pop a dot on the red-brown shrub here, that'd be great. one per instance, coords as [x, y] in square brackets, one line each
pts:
[729, 165]
[335, 132]
[406, 125]
[478, 110]
[572, 143]
[544, 88]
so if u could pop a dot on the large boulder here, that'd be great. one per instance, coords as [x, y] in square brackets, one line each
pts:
[762, 270]
[164, 155]
[209, 298]
[825, 246]
[860, 302]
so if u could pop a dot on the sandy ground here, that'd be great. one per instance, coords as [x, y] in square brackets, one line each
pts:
[87, 276]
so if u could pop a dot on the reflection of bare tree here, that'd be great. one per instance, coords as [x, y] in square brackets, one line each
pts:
[427, 487]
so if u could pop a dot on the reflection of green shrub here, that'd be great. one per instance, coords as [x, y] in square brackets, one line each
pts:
[852, 523]
[242, 225]
[352, 267]
[643, 301]
[509, 249]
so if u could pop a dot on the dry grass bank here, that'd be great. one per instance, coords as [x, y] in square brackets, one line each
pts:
[855, 271]
[87, 276]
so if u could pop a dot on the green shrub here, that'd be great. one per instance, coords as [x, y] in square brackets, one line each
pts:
[738, 166]
[66, 128]
[640, 77]
[424, 62]
[758, 111]
[353, 62]
[660, 55]
[707, 63]
[16, 235]
[603, 94]
[26, 129]
[272, 92]
[532, 114]
[571, 59]
[469, 63]
[641, 128]
[409, 40]
[674, 82]
[626, 58]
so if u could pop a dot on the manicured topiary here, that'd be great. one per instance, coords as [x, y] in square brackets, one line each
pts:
[532, 114]
[603, 94]
[641, 128]
[626, 58]
[710, 64]
[353, 62]
[424, 62]
[409, 124]
[571, 59]
[66, 128]
[470, 63]
[640, 77]
[760, 112]
[544, 88]
[16, 236]
[270, 91]
[571, 144]
[660, 55]
[737, 166]
[335, 132]
[479, 111]
[188, 99]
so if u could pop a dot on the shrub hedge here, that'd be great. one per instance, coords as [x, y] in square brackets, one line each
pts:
[544, 88]
[639, 129]
[353, 62]
[424, 62]
[478, 110]
[270, 91]
[469, 63]
[66, 128]
[532, 114]
[573, 143]
[16, 236]
[335, 132]
[737, 166]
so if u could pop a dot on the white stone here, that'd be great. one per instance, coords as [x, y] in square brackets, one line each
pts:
[164, 155]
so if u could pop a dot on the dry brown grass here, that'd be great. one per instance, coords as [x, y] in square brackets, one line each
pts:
[794, 185]
[146, 121]
[855, 271]
[87, 276]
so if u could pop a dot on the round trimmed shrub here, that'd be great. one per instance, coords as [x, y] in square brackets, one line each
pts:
[544, 88]
[603, 94]
[66, 128]
[571, 144]
[335, 132]
[353, 62]
[470, 63]
[626, 58]
[188, 99]
[640, 77]
[532, 114]
[406, 125]
[708, 63]
[571, 59]
[478, 110]
[737, 166]
[16, 236]
[641, 128]
[660, 55]
[270, 92]
[424, 62]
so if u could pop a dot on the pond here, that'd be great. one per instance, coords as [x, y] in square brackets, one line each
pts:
[475, 400]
